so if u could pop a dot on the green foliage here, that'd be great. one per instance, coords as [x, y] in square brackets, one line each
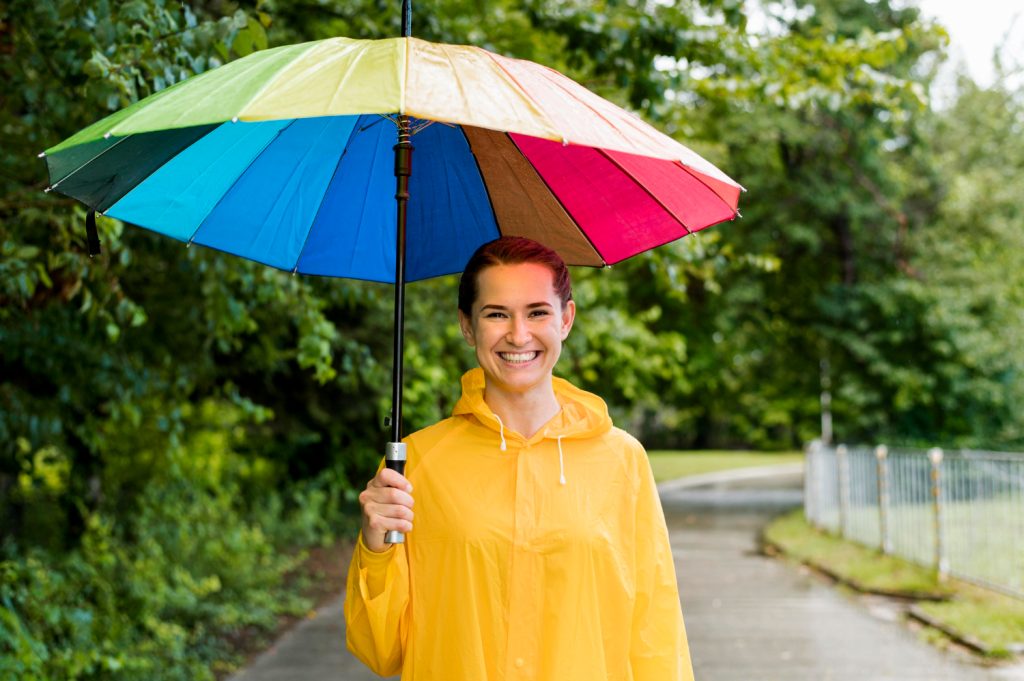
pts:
[153, 594]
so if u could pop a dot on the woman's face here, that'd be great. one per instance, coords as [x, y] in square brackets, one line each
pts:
[517, 327]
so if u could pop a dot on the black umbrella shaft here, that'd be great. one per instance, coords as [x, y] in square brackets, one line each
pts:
[403, 169]
[406, 18]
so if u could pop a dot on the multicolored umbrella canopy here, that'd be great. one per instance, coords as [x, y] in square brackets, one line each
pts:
[286, 157]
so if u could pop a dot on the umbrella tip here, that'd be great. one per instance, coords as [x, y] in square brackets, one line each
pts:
[234, 119]
[106, 135]
[42, 154]
[48, 190]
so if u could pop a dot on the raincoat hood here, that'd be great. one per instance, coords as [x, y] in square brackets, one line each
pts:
[583, 414]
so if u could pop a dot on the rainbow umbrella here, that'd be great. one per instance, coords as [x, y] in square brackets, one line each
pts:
[291, 157]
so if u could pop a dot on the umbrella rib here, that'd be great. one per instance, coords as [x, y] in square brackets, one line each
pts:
[234, 182]
[106, 197]
[697, 176]
[75, 171]
[637, 124]
[569, 93]
[313, 45]
[323, 198]
[555, 196]
[537, 104]
[359, 224]
[647, 191]
[483, 179]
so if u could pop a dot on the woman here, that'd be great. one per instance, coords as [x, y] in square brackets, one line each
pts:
[540, 549]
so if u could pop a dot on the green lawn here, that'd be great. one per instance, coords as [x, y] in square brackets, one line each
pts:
[993, 619]
[671, 464]
[851, 561]
[983, 536]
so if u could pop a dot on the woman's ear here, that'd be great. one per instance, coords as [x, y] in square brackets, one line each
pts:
[467, 329]
[568, 317]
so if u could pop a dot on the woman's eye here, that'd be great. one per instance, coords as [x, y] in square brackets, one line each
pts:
[539, 313]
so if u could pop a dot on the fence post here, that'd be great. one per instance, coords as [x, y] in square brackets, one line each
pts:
[810, 482]
[941, 565]
[843, 469]
[882, 455]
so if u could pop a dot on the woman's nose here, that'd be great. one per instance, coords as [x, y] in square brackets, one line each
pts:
[519, 332]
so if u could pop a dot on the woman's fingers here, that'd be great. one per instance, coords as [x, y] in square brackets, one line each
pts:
[389, 478]
[387, 505]
[374, 499]
[384, 517]
[385, 495]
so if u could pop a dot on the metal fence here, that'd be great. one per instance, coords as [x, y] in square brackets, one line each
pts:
[960, 512]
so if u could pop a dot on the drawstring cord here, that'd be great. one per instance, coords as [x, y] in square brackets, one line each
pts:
[561, 457]
[501, 431]
[561, 462]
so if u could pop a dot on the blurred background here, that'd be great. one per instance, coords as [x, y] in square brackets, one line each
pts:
[180, 430]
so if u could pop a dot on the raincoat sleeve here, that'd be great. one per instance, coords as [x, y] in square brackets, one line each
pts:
[377, 607]
[658, 646]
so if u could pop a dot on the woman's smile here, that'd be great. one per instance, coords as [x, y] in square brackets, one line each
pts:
[517, 328]
[519, 358]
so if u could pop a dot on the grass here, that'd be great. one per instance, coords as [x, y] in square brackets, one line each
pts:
[671, 464]
[867, 568]
[982, 536]
[997, 621]
[992, 621]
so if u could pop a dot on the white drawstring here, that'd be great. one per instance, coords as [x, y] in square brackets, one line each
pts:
[501, 431]
[561, 457]
[561, 463]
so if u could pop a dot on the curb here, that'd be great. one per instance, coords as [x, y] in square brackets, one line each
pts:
[962, 638]
[770, 548]
[913, 611]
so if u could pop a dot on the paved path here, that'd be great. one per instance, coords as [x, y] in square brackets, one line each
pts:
[749, 618]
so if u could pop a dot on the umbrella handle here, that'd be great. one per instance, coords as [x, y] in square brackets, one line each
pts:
[394, 458]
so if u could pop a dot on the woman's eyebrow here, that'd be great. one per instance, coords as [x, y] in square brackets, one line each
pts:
[503, 308]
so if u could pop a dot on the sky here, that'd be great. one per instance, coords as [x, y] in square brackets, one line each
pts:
[975, 28]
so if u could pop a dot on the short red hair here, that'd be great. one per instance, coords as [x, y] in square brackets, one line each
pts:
[512, 250]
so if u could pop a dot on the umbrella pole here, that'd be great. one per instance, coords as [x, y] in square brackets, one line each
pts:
[394, 456]
[394, 453]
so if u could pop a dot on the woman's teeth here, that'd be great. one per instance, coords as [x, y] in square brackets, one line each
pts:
[517, 356]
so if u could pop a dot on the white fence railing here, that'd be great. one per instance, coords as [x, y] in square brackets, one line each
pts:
[960, 512]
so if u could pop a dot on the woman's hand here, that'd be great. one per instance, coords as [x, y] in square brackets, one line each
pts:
[387, 505]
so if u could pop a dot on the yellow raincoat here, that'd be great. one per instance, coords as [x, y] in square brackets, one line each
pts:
[545, 559]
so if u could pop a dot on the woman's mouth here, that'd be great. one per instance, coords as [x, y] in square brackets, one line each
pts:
[518, 357]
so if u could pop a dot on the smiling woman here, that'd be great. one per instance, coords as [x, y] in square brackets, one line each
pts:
[540, 549]
[517, 325]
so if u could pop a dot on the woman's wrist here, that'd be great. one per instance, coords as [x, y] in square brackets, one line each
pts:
[370, 545]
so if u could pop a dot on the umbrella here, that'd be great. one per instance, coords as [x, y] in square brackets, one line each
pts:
[285, 157]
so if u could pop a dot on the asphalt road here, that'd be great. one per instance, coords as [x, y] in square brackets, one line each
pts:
[748, 617]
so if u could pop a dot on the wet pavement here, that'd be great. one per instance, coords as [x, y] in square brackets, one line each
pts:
[748, 617]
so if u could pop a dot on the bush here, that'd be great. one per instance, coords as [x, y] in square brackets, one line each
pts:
[155, 598]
